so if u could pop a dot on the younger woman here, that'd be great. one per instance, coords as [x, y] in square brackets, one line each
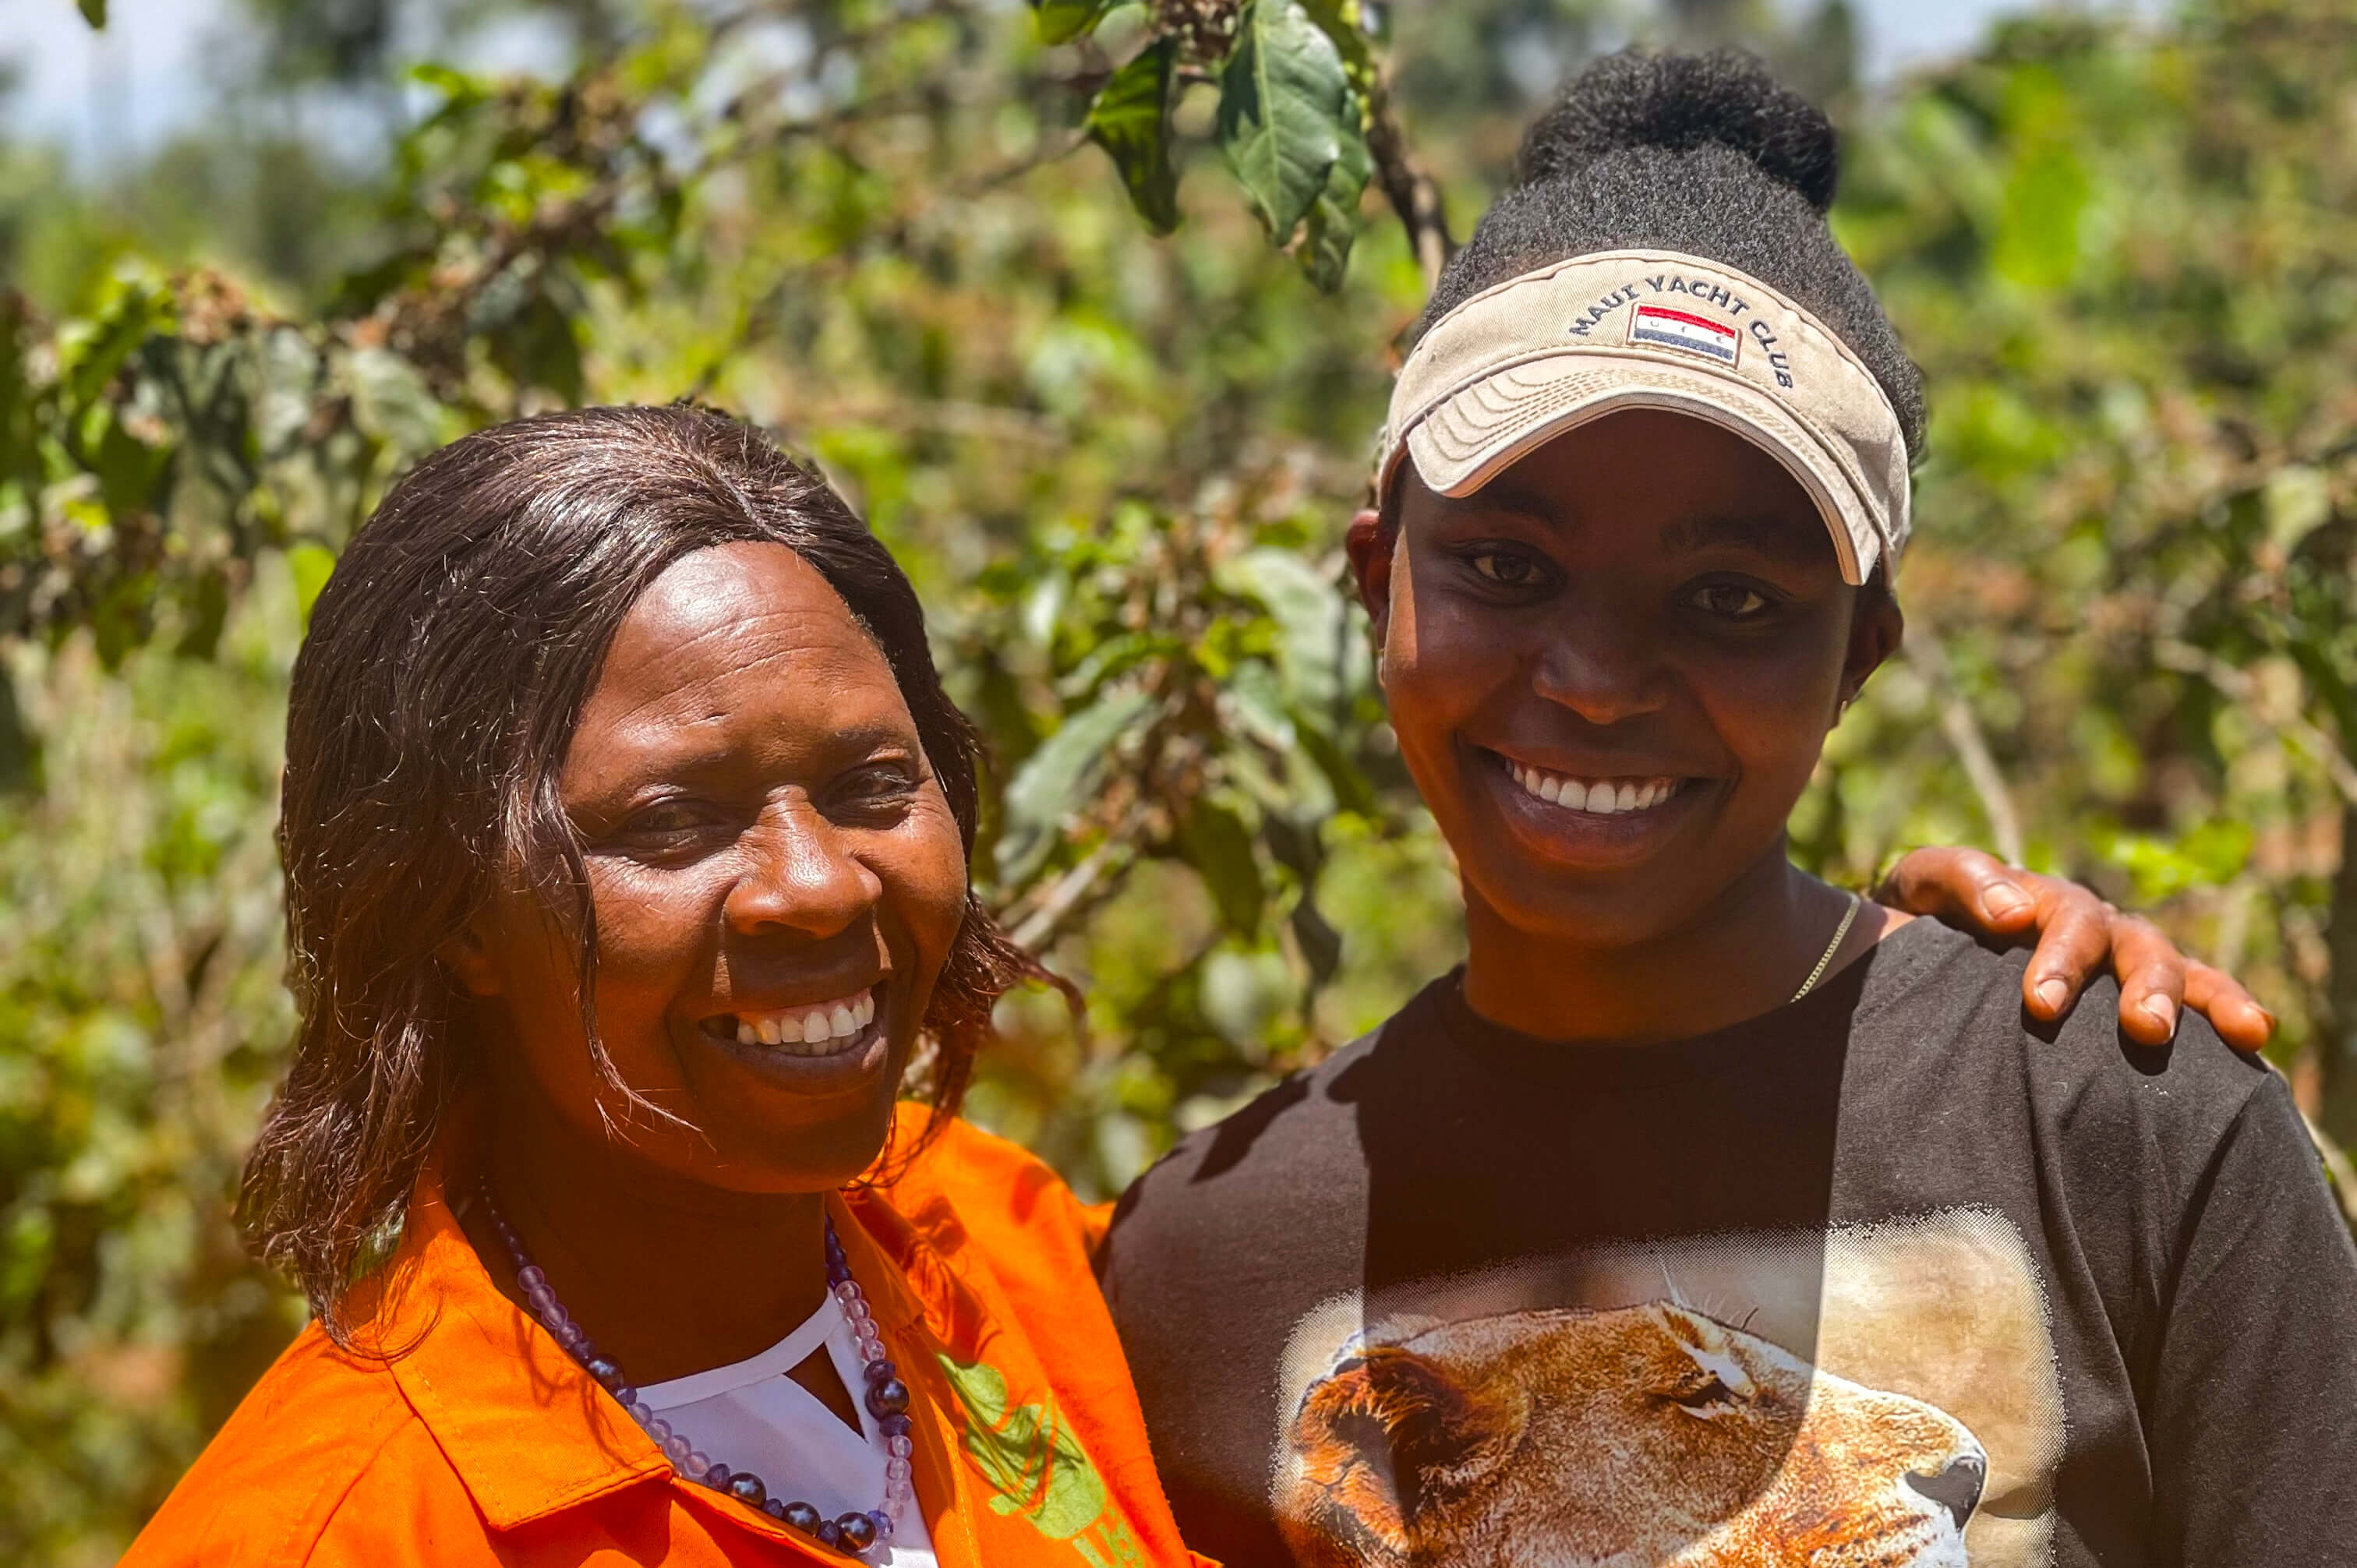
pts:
[1710, 1216]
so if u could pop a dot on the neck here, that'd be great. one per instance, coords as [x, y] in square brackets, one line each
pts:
[669, 1274]
[1757, 942]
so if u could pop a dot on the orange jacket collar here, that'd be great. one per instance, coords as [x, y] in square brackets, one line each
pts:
[471, 1362]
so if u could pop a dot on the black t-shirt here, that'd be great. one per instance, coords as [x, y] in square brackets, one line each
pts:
[1887, 1277]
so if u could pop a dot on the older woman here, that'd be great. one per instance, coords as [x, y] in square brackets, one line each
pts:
[626, 830]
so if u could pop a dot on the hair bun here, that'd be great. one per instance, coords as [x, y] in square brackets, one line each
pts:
[1679, 102]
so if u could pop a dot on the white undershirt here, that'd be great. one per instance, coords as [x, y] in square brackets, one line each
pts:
[751, 1415]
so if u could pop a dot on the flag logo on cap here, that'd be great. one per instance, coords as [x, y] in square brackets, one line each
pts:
[1677, 329]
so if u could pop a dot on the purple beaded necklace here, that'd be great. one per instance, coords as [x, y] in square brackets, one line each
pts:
[887, 1400]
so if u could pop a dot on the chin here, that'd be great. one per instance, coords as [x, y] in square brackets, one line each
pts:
[766, 1137]
[1588, 918]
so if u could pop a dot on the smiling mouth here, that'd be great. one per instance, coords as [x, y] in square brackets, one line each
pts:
[820, 1029]
[1593, 797]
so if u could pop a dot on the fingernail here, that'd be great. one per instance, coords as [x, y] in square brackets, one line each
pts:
[2003, 900]
[2162, 1011]
[2270, 1018]
[2050, 991]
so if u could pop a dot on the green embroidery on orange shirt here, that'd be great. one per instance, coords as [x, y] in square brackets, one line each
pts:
[1035, 1467]
[1108, 1545]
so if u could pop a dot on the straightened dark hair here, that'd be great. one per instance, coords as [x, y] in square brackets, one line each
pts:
[433, 703]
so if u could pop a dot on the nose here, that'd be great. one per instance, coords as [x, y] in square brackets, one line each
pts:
[1955, 1487]
[1602, 665]
[798, 876]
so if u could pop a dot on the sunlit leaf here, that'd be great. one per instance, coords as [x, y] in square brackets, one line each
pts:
[1283, 102]
[310, 564]
[1333, 222]
[1052, 786]
[1219, 846]
[1061, 21]
[1130, 118]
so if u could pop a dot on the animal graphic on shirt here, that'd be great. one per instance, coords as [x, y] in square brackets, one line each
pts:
[1637, 1436]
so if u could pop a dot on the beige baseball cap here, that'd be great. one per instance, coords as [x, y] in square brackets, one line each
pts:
[1529, 359]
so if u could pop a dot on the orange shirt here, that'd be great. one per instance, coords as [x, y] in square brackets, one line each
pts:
[479, 1441]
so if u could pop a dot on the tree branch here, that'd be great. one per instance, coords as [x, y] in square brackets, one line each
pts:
[1414, 194]
[1957, 722]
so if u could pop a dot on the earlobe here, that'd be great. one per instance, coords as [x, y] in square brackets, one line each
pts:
[1875, 634]
[469, 959]
[1368, 549]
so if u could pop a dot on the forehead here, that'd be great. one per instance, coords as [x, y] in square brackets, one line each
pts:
[737, 634]
[1691, 482]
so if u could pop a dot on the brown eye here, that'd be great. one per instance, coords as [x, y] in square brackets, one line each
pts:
[1731, 600]
[1510, 571]
[883, 787]
[666, 817]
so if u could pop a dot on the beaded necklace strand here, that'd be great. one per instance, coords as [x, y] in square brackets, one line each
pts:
[887, 1398]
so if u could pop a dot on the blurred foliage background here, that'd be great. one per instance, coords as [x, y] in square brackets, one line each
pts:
[1007, 272]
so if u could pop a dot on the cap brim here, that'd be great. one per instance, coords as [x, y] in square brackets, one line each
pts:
[1475, 433]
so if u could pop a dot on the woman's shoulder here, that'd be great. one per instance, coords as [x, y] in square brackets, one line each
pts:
[965, 1188]
[1939, 998]
[276, 1484]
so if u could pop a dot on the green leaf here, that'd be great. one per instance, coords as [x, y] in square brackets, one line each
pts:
[20, 748]
[138, 313]
[1284, 100]
[2298, 502]
[2038, 238]
[1061, 21]
[1322, 944]
[94, 12]
[1311, 615]
[309, 564]
[1345, 22]
[1052, 783]
[1333, 222]
[537, 347]
[1130, 118]
[452, 83]
[1219, 847]
[129, 471]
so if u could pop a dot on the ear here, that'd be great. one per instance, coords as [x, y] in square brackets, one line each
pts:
[1387, 1432]
[1875, 633]
[469, 957]
[1371, 568]
[1710, 1359]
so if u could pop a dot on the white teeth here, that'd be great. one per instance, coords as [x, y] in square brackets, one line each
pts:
[811, 1031]
[1600, 797]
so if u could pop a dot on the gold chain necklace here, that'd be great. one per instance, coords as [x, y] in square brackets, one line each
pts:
[1826, 957]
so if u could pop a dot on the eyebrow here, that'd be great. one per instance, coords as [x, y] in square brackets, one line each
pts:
[1773, 537]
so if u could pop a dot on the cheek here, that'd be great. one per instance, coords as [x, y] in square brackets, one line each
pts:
[539, 992]
[655, 924]
[921, 865]
[1772, 709]
[1442, 659]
